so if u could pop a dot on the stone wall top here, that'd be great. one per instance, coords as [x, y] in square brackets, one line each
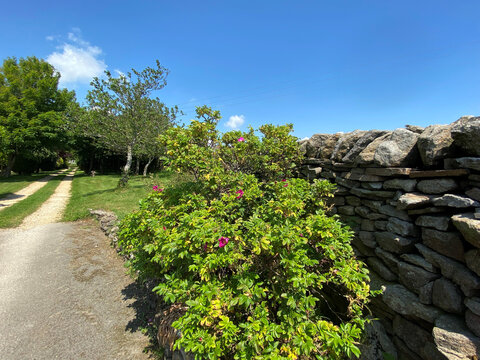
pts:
[412, 146]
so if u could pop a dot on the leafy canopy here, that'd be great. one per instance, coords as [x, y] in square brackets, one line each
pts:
[121, 113]
[31, 107]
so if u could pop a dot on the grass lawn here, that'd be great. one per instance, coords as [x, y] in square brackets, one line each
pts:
[100, 192]
[14, 215]
[16, 182]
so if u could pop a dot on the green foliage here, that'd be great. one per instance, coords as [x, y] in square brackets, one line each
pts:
[31, 108]
[201, 151]
[123, 118]
[263, 271]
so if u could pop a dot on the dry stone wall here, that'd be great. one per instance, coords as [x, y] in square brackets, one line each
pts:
[412, 196]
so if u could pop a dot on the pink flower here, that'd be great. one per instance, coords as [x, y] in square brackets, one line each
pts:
[284, 180]
[155, 188]
[285, 185]
[222, 241]
[241, 139]
[301, 235]
[164, 228]
[240, 193]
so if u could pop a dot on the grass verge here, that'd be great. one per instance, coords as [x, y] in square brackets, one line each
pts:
[14, 215]
[16, 182]
[101, 192]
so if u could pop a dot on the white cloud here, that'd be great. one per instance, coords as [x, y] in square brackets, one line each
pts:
[235, 121]
[77, 60]
[50, 37]
[305, 138]
[119, 73]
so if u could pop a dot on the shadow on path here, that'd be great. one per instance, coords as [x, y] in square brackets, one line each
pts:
[145, 304]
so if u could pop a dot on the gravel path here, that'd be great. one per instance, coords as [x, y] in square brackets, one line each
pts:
[51, 210]
[20, 195]
[64, 295]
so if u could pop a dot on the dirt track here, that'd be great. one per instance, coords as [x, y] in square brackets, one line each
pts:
[64, 295]
[22, 194]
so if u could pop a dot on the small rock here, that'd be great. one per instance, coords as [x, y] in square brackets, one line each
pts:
[401, 227]
[377, 343]
[404, 352]
[474, 193]
[447, 243]
[472, 258]
[456, 201]
[434, 144]
[366, 155]
[363, 211]
[394, 243]
[419, 261]
[435, 222]
[391, 211]
[398, 149]
[361, 144]
[379, 267]
[353, 200]
[345, 143]
[414, 201]
[367, 225]
[372, 194]
[414, 277]
[468, 162]
[406, 185]
[453, 270]
[361, 248]
[372, 185]
[437, 186]
[447, 296]
[321, 146]
[413, 335]
[372, 204]
[473, 304]
[367, 238]
[454, 340]
[466, 135]
[469, 227]
[347, 183]
[388, 258]
[381, 225]
[406, 303]
[473, 323]
[414, 128]
[426, 293]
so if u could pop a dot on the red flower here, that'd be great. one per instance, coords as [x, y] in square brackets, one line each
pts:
[240, 193]
[222, 241]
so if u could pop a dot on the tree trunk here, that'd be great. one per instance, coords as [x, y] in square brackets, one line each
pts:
[126, 170]
[11, 161]
[147, 165]
[137, 168]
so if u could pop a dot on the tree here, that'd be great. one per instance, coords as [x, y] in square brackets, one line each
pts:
[122, 117]
[31, 108]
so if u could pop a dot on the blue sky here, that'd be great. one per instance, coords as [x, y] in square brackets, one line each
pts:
[325, 66]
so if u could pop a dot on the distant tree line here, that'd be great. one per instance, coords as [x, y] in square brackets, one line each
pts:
[42, 126]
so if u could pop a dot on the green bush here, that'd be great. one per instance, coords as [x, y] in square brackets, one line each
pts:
[263, 271]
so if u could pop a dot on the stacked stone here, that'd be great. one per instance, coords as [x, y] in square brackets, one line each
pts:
[412, 196]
